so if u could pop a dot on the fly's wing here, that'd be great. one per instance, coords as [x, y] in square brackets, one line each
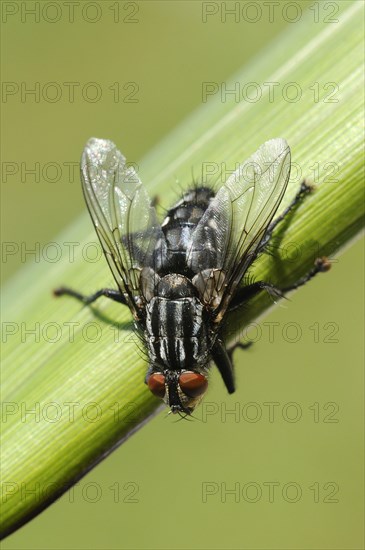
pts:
[224, 242]
[121, 211]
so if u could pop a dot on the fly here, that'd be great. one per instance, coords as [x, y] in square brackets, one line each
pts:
[180, 278]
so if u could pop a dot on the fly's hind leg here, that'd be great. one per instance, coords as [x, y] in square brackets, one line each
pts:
[321, 265]
[247, 292]
[304, 190]
[107, 292]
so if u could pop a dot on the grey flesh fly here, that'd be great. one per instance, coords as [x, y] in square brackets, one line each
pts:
[181, 277]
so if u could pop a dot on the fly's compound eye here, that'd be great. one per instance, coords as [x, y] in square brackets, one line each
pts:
[193, 384]
[156, 384]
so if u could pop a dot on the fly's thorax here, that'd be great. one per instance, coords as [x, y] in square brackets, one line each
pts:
[177, 333]
[174, 286]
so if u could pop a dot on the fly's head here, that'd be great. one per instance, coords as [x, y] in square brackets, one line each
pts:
[182, 391]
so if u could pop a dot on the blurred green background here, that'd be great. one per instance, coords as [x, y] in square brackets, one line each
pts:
[293, 450]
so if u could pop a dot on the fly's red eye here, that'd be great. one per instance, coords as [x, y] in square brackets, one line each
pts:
[156, 384]
[193, 384]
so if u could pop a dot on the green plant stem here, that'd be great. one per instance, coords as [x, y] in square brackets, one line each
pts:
[70, 396]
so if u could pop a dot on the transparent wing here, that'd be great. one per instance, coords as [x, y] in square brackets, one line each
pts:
[234, 224]
[121, 211]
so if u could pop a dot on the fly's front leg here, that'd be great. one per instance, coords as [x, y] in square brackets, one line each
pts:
[223, 361]
[115, 295]
[247, 292]
[237, 345]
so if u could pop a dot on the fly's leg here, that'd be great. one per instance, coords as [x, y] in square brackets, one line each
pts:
[247, 292]
[238, 345]
[304, 189]
[107, 292]
[244, 294]
[223, 361]
[321, 265]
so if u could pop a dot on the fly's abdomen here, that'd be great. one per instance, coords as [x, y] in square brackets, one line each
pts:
[179, 225]
[176, 335]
